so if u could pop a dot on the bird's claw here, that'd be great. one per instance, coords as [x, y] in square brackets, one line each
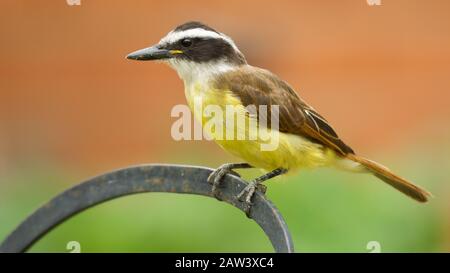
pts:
[248, 192]
[215, 178]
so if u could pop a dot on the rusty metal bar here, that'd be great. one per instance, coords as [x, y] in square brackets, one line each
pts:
[138, 179]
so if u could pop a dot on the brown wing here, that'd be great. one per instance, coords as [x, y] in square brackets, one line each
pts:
[254, 86]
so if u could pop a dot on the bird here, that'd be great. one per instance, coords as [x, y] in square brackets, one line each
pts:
[216, 73]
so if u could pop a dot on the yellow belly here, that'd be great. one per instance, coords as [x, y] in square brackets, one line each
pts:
[291, 152]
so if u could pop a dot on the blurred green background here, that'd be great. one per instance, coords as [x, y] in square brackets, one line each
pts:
[71, 107]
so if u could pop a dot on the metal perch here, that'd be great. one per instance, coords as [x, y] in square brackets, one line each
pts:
[138, 179]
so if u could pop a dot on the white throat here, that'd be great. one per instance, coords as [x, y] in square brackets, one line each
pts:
[191, 72]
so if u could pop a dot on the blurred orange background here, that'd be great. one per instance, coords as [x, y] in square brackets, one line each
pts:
[68, 96]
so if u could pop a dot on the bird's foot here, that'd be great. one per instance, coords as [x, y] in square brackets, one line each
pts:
[247, 193]
[215, 178]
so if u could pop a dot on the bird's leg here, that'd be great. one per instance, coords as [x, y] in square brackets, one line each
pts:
[216, 176]
[254, 185]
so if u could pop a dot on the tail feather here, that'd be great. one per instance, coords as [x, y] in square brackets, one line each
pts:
[390, 178]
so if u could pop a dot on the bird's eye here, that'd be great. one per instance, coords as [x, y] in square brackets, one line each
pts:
[186, 42]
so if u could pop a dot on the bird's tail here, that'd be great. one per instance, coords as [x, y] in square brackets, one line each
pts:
[392, 179]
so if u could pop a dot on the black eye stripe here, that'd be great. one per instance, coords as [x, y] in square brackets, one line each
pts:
[186, 42]
[205, 49]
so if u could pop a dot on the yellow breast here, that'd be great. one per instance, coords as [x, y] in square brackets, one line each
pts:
[291, 151]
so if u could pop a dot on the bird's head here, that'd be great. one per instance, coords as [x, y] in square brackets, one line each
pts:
[194, 50]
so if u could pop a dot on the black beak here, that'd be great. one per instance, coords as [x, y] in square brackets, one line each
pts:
[149, 53]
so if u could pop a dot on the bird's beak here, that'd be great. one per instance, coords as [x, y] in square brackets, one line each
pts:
[150, 53]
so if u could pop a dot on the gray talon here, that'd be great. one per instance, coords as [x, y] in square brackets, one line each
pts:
[247, 210]
[248, 192]
[215, 178]
[262, 188]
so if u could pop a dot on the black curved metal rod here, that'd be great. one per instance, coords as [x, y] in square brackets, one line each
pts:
[145, 178]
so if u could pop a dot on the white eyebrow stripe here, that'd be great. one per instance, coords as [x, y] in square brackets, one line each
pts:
[174, 36]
